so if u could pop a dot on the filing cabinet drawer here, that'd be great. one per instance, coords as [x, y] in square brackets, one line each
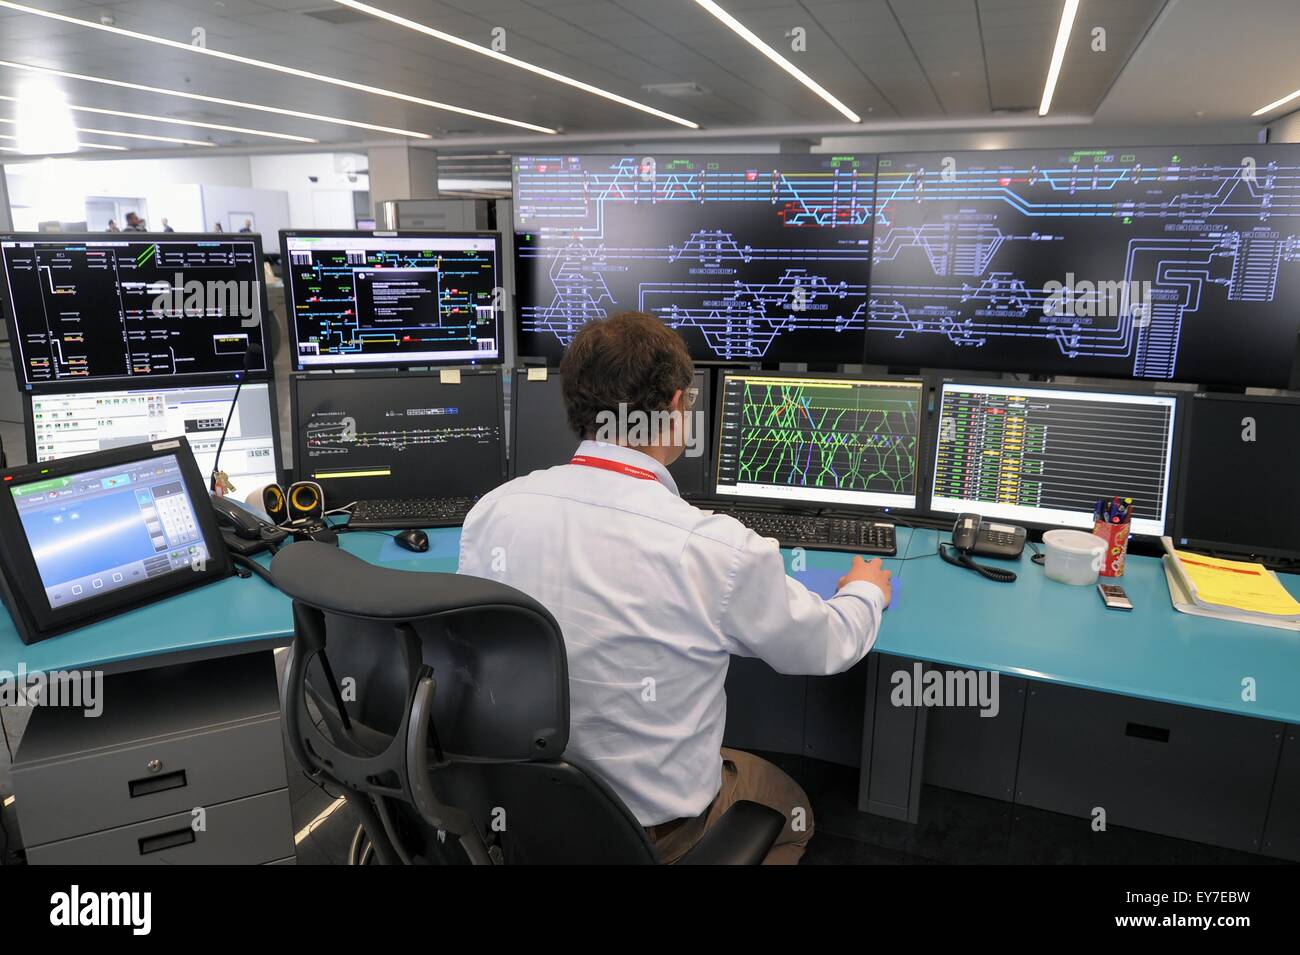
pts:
[105, 789]
[1190, 773]
[250, 831]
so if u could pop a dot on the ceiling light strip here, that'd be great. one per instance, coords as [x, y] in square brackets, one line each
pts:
[752, 39]
[1276, 103]
[274, 67]
[200, 98]
[1058, 54]
[513, 61]
[175, 120]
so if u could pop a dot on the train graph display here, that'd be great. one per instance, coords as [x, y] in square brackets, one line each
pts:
[750, 258]
[1152, 263]
[825, 440]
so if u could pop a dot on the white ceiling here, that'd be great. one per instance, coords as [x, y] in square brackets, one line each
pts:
[889, 60]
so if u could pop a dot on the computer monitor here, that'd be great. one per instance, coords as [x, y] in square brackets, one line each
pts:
[94, 535]
[86, 311]
[831, 440]
[61, 425]
[1043, 455]
[750, 257]
[1161, 263]
[359, 299]
[386, 435]
[1237, 483]
[540, 436]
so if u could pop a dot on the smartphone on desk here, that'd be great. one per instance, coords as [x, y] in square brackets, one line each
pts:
[979, 537]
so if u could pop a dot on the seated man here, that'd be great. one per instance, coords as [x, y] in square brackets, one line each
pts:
[653, 595]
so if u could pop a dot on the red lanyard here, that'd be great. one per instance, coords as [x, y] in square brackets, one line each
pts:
[618, 467]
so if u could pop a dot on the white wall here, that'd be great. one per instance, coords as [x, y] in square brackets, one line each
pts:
[230, 205]
[58, 189]
[323, 204]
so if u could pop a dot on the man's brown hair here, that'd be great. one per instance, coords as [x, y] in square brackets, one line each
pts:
[630, 359]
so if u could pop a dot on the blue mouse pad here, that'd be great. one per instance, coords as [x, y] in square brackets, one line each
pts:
[823, 581]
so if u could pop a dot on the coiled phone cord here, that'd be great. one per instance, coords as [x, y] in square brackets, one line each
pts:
[963, 560]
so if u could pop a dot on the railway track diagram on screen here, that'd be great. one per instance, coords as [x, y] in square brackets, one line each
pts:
[748, 260]
[827, 437]
[359, 300]
[110, 308]
[1175, 264]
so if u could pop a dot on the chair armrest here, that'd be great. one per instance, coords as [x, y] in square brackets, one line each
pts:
[742, 836]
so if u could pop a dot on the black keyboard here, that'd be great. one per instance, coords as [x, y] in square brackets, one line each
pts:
[401, 513]
[823, 532]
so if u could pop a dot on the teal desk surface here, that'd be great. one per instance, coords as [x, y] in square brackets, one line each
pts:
[1043, 630]
[1034, 628]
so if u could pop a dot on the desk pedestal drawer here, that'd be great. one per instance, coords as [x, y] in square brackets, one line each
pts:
[167, 740]
[249, 831]
[1194, 774]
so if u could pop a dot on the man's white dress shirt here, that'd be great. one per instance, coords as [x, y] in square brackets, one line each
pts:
[652, 595]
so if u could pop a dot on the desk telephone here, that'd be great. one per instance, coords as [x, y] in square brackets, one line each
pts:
[971, 535]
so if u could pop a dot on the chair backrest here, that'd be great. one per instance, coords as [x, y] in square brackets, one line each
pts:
[440, 703]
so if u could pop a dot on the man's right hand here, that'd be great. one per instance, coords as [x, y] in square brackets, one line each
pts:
[872, 571]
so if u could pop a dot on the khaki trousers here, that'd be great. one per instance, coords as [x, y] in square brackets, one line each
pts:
[744, 776]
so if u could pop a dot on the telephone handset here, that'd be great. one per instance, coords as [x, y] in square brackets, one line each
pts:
[984, 538]
[244, 532]
[972, 535]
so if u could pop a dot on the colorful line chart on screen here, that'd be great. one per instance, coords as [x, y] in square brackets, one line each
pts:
[394, 299]
[754, 258]
[1144, 263]
[827, 435]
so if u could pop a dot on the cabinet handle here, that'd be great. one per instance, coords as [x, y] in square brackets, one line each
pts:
[166, 840]
[156, 784]
[1156, 734]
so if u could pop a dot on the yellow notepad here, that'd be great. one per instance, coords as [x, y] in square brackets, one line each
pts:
[1236, 584]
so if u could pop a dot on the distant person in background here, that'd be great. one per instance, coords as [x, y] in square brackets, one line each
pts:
[216, 227]
[248, 226]
[113, 226]
[134, 223]
[166, 227]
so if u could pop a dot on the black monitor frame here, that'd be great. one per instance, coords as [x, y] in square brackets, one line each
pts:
[922, 442]
[1118, 386]
[295, 405]
[703, 405]
[21, 580]
[64, 386]
[291, 318]
[29, 419]
[1184, 473]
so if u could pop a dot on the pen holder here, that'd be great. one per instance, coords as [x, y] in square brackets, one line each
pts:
[1116, 538]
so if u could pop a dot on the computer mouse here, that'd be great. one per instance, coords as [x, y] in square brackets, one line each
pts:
[413, 539]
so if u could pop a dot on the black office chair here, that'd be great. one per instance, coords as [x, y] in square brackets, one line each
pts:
[441, 709]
